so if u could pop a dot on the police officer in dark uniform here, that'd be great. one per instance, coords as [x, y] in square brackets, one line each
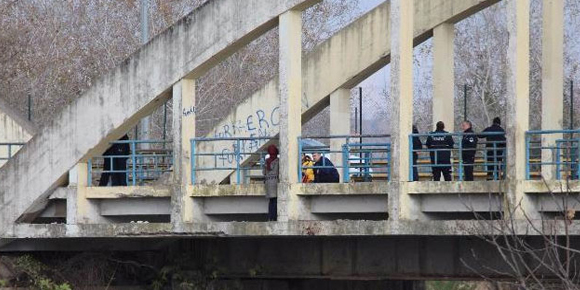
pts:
[469, 145]
[442, 158]
[495, 149]
[417, 145]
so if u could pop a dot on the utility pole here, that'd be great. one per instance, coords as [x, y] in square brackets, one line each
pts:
[465, 102]
[145, 122]
[29, 107]
[571, 105]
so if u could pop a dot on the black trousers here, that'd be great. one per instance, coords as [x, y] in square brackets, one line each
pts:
[445, 171]
[117, 178]
[273, 209]
[468, 167]
[494, 172]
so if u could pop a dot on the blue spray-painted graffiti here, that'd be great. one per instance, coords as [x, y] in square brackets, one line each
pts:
[258, 124]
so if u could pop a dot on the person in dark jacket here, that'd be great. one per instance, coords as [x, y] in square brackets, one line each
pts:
[119, 176]
[495, 149]
[324, 170]
[417, 145]
[442, 158]
[469, 145]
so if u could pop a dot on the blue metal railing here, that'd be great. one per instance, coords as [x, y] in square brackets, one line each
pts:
[139, 166]
[365, 158]
[489, 155]
[7, 150]
[241, 155]
[565, 154]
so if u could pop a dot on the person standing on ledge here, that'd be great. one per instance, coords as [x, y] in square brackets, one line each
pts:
[469, 144]
[271, 173]
[441, 142]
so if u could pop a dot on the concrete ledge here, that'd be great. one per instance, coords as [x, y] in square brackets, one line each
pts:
[368, 188]
[235, 205]
[447, 187]
[117, 192]
[554, 186]
[455, 203]
[135, 207]
[348, 204]
[227, 190]
[293, 228]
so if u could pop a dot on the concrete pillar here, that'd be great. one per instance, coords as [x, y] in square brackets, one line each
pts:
[183, 207]
[290, 206]
[339, 123]
[518, 88]
[444, 75]
[81, 210]
[401, 204]
[552, 77]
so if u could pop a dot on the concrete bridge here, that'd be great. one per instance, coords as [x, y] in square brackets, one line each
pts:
[392, 228]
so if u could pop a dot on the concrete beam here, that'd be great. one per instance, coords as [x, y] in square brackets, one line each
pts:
[183, 208]
[518, 103]
[337, 228]
[339, 123]
[134, 89]
[402, 14]
[444, 75]
[552, 78]
[290, 207]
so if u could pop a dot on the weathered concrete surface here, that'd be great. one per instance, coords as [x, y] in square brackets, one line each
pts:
[367, 188]
[336, 228]
[344, 60]
[135, 207]
[552, 186]
[227, 190]
[124, 95]
[348, 204]
[13, 129]
[435, 187]
[116, 192]
[458, 203]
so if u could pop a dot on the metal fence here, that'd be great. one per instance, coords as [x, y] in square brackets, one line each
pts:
[242, 155]
[146, 161]
[489, 161]
[560, 158]
[363, 158]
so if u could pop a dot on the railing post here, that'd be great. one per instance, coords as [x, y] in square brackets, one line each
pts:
[411, 151]
[299, 172]
[345, 163]
[528, 165]
[192, 158]
[460, 153]
[90, 172]
[558, 161]
[237, 156]
[134, 161]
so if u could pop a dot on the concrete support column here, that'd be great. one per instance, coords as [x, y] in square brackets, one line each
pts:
[339, 123]
[183, 207]
[290, 207]
[81, 210]
[518, 88]
[444, 75]
[401, 204]
[552, 77]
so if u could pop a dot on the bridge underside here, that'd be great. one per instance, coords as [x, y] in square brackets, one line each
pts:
[339, 258]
